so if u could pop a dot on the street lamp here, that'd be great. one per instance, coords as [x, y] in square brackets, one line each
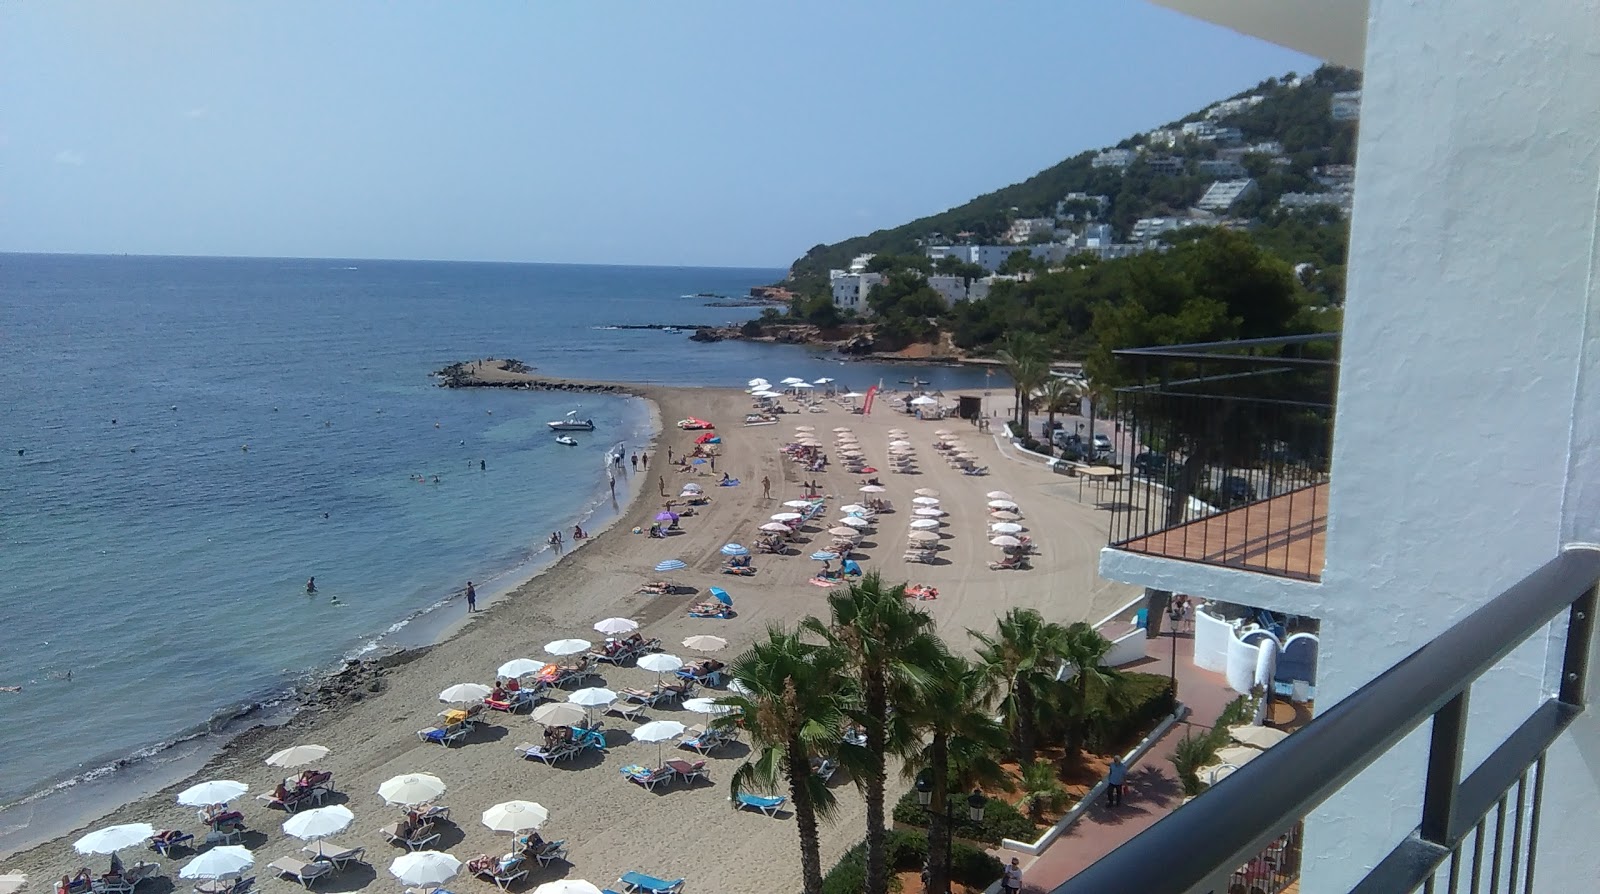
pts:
[976, 803]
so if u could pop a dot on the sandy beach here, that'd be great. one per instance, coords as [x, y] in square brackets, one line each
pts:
[610, 824]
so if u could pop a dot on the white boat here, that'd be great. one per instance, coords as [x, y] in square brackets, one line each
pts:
[571, 423]
[564, 439]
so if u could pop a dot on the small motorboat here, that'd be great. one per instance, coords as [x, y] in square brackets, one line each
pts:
[567, 440]
[572, 423]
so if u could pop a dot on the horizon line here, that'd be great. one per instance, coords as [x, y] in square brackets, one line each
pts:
[230, 257]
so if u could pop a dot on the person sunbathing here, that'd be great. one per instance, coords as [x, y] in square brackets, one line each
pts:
[483, 863]
[707, 608]
[166, 836]
[633, 640]
[497, 694]
[280, 793]
[513, 684]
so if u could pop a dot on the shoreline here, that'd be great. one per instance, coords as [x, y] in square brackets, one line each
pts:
[192, 752]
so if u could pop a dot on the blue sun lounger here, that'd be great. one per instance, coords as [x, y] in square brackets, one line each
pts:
[769, 806]
[638, 881]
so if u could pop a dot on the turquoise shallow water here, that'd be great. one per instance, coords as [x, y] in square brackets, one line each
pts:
[150, 555]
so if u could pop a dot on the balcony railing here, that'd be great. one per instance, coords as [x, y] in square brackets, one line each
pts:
[1227, 449]
[1201, 847]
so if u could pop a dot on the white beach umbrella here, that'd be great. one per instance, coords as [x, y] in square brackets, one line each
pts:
[114, 838]
[805, 428]
[873, 488]
[923, 536]
[998, 495]
[660, 662]
[411, 789]
[567, 647]
[1007, 505]
[1237, 755]
[593, 697]
[926, 492]
[899, 443]
[786, 516]
[802, 386]
[567, 886]
[424, 869]
[923, 401]
[757, 383]
[966, 455]
[767, 393]
[215, 791]
[822, 381]
[218, 862]
[855, 521]
[616, 626]
[463, 693]
[520, 667]
[897, 432]
[704, 642]
[1004, 540]
[925, 501]
[516, 816]
[854, 508]
[297, 756]
[942, 432]
[792, 380]
[658, 731]
[1256, 736]
[558, 714]
[774, 526]
[850, 451]
[853, 394]
[842, 430]
[928, 511]
[1006, 528]
[319, 823]
[709, 706]
[13, 882]
[844, 531]
[925, 524]
[798, 504]
[692, 487]
[1003, 515]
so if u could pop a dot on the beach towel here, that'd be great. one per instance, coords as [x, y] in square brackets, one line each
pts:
[731, 482]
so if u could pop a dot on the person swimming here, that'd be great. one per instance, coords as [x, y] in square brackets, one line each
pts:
[311, 586]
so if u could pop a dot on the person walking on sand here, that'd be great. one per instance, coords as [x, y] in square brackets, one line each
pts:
[634, 459]
[1116, 777]
[612, 479]
[713, 463]
[644, 461]
[669, 456]
[766, 488]
[472, 598]
[661, 482]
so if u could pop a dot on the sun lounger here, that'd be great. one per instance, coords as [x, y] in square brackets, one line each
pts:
[129, 879]
[626, 709]
[647, 777]
[303, 872]
[445, 735]
[689, 771]
[513, 702]
[638, 881]
[335, 853]
[769, 806]
[165, 841]
[683, 688]
[648, 697]
[824, 768]
[413, 839]
[503, 871]
[549, 852]
[532, 752]
[590, 737]
[613, 650]
[702, 741]
[224, 885]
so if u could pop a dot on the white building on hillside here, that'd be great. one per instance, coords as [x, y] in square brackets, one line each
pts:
[1026, 228]
[1346, 106]
[1222, 195]
[951, 288]
[1113, 158]
[1220, 168]
[858, 264]
[850, 289]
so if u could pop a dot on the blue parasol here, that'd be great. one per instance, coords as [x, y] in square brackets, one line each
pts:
[735, 549]
[666, 516]
[722, 596]
[672, 565]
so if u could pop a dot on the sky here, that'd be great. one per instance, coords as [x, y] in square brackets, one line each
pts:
[684, 133]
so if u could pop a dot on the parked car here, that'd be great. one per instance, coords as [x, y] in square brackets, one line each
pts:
[1151, 465]
[1237, 489]
[1102, 444]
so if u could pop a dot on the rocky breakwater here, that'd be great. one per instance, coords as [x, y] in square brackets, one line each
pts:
[509, 373]
[844, 339]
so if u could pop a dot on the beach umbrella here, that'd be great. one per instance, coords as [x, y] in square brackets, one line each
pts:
[928, 511]
[966, 455]
[319, 823]
[802, 385]
[842, 430]
[844, 531]
[1237, 755]
[697, 461]
[705, 642]
[689, 494]
[798, 504]
[666, 516]
[925, 501]
[926, 492]
[1256, 736]
[592, 697]
[923, 401]
[925, 524]
[774, 526]
[114, 838]
[424, 869]
[899, 443]
[822, 381]
[658, 731]
[519, 667]
[855, 521]
[708, 706]
[787, 516]
[823, 555]
[737, 687]
[216, 791]
[12, 882]
[853, 394]
[853, 508]
[757, 383]
[660, 662]
[1006, 528]
[463, 693]
[616, 626]
[558, 714]
[735, 549]
[1007, 505]
[721, 596]
[567, 886]
[897, 432]
[411, 789]
[671, 565]
[805, 428]
[516, 816]
[297, 755]
[923, 536]
[873, 488]
[692, 487]
[943, 432]
[767, 393]
[1004, 515]
[998, 495]
[567, 646]
[219, 862]
[1005, 540]
[792, 380]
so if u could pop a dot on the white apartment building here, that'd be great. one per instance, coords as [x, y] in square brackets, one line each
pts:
[1234, 106]
[858, 264]
[1341, 199]
[1026, 228]
[1146, 229]
[1162, 137]
[1220, 168]
[1097, 234]
[1169, 165]
[850, 289]
[989, 257]
[1465, 456]
[1113, 158]
[1222, 195]
[951, 288]
[1345, 106]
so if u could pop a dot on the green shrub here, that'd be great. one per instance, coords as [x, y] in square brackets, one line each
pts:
[1145, 699]
[1000, 820]
[973, 867]
[1191, 753]
[849, 875]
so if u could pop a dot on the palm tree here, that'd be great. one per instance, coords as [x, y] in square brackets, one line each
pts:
[794, 709]
[1026, 361]
[963, 741]
[1056, 396]
[1020, 661]
[892, 653]
[1092, 684]
[1041, 790]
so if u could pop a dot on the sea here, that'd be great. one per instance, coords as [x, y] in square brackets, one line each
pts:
[184, 442]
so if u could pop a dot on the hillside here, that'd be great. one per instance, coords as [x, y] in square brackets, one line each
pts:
[1165, 180]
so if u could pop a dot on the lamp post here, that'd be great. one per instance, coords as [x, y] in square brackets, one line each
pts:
[976, 803]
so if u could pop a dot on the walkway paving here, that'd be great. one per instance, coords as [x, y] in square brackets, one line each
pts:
[1153, 790]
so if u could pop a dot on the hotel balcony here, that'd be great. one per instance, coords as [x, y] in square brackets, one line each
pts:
[1227, 453]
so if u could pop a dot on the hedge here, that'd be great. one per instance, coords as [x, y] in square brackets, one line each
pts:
[1150, 699]
[1000, 819]
[908, 850]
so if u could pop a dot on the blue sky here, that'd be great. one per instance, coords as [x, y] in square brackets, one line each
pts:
[690, 133]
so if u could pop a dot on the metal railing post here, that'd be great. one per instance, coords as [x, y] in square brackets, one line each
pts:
[1444, 771]
[1575, 662]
